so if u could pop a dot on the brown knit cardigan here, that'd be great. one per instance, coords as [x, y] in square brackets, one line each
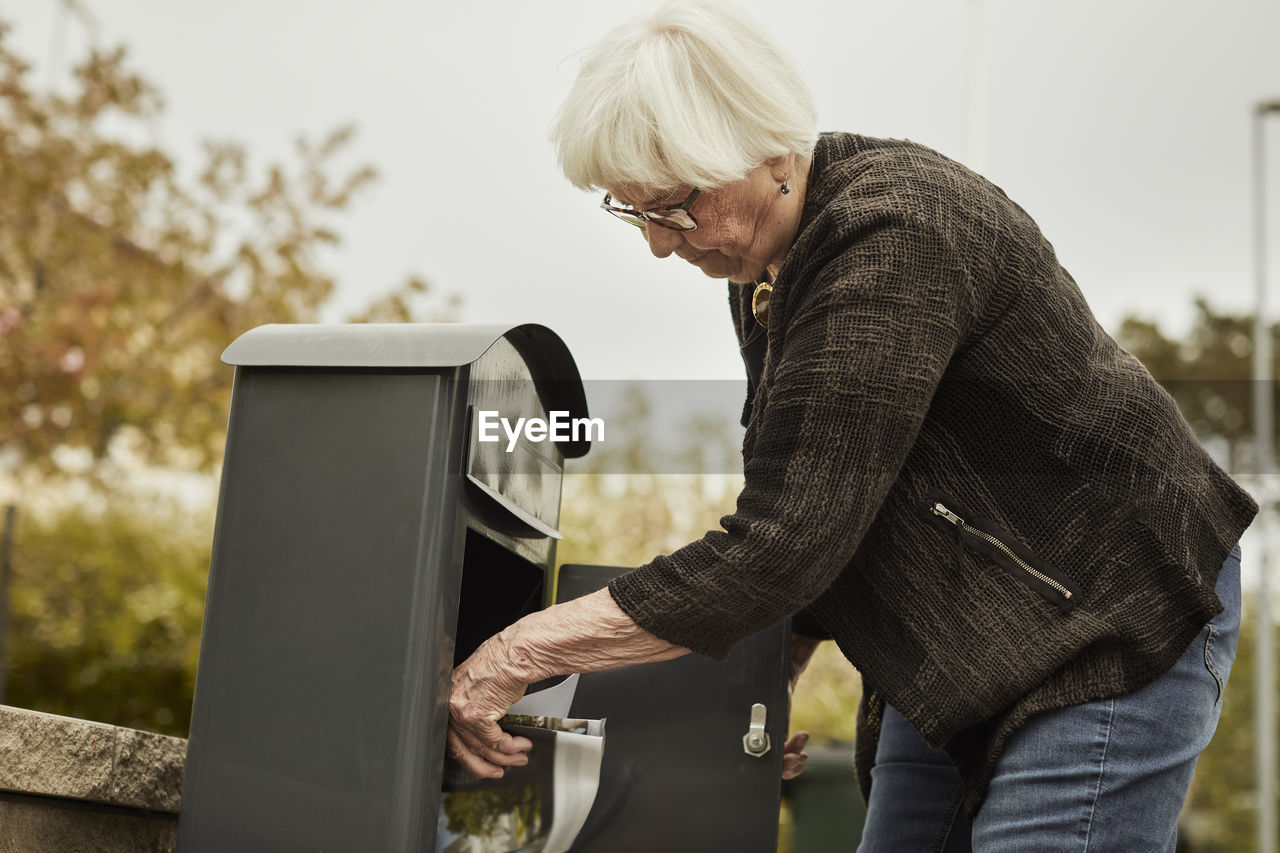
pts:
[991, 507]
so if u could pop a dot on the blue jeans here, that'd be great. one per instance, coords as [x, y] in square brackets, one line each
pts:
[1109, 775]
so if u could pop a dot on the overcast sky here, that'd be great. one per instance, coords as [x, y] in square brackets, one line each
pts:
[1122, 126]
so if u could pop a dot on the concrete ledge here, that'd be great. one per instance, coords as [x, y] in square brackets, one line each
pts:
[53, 756]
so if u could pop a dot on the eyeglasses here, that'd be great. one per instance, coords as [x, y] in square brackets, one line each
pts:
[676, 218]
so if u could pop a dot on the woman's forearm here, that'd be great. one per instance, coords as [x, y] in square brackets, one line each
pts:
[586, 634]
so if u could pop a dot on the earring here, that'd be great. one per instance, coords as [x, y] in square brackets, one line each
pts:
[786, 187]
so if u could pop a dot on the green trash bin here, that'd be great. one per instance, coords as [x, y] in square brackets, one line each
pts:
[827, 810]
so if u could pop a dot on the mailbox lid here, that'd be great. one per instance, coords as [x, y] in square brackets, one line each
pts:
[521, 475]
[366, 344]
[420, 345]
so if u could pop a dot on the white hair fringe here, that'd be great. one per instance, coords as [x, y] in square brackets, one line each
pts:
[695, 94]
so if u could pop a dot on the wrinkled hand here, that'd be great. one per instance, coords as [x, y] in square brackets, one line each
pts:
[482, 692]
[587, 634]
[794, 758]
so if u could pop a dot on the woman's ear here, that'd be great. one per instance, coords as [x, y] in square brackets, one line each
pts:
[781, 167]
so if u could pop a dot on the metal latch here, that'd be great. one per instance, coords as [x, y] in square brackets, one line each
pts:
[756, 741]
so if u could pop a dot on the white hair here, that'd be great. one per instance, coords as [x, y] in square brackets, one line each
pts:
[695, 94]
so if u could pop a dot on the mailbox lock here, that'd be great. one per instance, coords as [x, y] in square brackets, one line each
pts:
[756, 741]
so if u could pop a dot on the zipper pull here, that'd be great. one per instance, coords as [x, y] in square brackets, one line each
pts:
[939, 509]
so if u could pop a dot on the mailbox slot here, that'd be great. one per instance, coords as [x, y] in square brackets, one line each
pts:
[498, 588]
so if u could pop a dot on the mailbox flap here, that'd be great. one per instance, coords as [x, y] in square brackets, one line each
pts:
[519, 470]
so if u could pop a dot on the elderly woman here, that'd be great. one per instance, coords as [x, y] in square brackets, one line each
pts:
[950, 469]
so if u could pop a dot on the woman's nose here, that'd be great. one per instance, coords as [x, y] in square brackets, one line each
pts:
[662, 241]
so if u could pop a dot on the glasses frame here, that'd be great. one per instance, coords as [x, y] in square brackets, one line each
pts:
[641, 218]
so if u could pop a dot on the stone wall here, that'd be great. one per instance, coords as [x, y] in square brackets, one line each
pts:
[69, 784]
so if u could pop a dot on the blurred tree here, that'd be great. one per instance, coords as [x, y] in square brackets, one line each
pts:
[120, 284]
[1208, 373]
[105, 615]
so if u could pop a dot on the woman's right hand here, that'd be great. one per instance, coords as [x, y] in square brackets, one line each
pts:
[483, 690]
[587, 634]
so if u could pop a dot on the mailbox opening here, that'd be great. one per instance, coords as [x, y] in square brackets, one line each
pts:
[498, 588]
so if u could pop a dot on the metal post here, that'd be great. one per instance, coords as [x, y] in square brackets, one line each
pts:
[976, 150]
[6, 560]
[1264, 433]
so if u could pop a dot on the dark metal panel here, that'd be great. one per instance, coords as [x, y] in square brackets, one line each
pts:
[319, 694]
[675, 776]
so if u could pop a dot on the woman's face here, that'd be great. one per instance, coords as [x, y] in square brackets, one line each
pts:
[743, 227]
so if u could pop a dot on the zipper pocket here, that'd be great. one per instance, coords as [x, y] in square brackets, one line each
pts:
[1005, 551]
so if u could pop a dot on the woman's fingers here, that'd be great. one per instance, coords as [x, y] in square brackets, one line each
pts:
[482, 760]
[501, 748]
[508, 757]
[796, 743]
[479, 727]
[469, 759]
[794, 758]
[793, 765]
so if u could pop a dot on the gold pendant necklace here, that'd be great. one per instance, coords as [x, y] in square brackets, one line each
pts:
[760, 303]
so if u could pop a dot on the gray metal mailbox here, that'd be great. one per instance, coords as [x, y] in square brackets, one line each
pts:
[367, 541]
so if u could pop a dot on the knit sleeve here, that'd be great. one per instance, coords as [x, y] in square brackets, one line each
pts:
[866, 340]
[806, 624]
